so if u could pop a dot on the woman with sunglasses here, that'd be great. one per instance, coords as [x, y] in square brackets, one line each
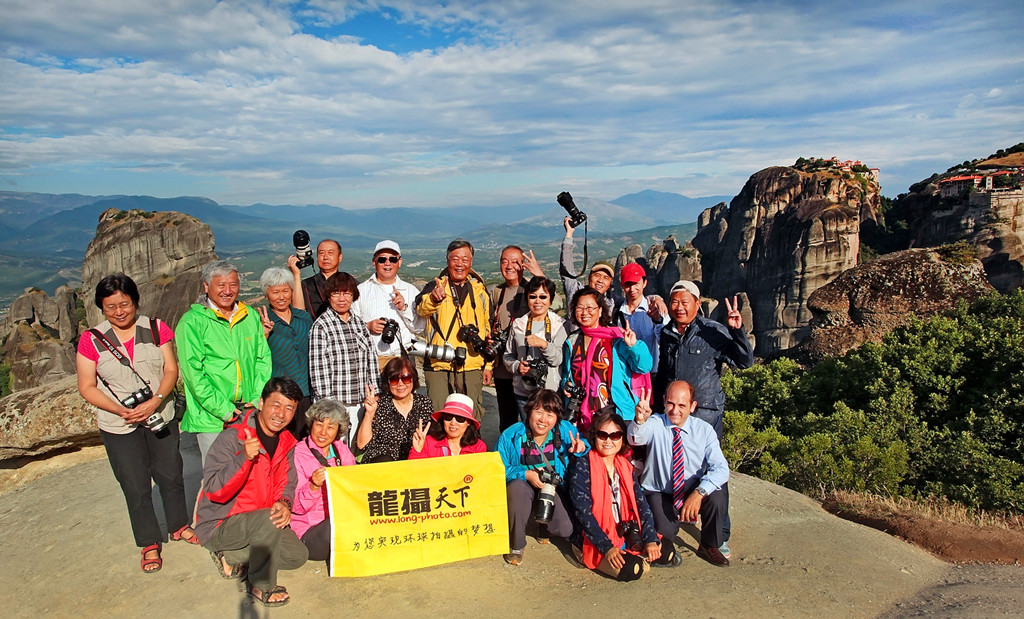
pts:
[537, 339]
[454, 431]
[602, 364]
[385, 434]
[618, 534]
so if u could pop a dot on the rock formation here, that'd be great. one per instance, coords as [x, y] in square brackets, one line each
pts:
[992, 221]
[38, 333]
[868, 301]
[164, 252]
[785, 235]
[46, 418]
[665, 263]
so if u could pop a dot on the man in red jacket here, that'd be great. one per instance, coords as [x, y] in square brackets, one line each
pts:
[248, 486]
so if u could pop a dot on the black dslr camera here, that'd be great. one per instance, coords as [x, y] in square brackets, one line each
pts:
[574, 407]
[390, 331]
[302, 251]
[630, 532]
[537, 373]
[576, 216]
[470, 336]
[154, 422]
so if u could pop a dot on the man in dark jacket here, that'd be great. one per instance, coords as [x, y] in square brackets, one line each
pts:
[248, 486]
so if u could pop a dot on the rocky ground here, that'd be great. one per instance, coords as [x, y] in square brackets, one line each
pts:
[67, 549]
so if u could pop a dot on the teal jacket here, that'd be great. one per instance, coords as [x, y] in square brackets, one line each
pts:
[221, 363]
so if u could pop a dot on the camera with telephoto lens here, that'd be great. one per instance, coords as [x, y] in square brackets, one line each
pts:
[574, 406]
[576, 216]
[537, 374]
[387, 335]
[470, 335]
[544, 504]
[630, 532]
[302, 251]
[440, 352]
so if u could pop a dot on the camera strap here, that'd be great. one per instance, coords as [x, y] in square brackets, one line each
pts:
[117, 355]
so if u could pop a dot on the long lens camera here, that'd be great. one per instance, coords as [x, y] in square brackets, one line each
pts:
[440, 352]
[302, 251]
[576, 216]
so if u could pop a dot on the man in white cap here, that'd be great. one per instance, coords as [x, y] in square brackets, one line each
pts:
[384, 296]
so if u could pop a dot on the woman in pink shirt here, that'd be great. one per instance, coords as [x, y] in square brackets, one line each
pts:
[452, 432]
[328, 424]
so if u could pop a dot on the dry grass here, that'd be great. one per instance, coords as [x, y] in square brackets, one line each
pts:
[936, 508]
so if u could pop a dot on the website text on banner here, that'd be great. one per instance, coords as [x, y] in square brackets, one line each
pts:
[397, 516]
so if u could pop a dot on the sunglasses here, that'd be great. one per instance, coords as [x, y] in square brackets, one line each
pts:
[449, 417]
[537, 296]
[405, 378]
[383, 259]
[609, 436]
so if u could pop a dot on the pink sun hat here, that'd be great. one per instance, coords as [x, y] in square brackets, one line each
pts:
[458, 405]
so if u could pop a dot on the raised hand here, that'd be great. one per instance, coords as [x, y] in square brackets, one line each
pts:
[733, 319]
[397, 299]
[656, 307]
[440, 290]
[568, 227]
[370, 402]
[316, 480]
[629, 336]
[293, 264]
[536, 341]
[268, 324]
[577, 446]
[251, 444]
[643, 407]
[419, 437]
[531, 264]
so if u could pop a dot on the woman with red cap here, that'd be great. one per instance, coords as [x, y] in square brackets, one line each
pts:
[452, 432]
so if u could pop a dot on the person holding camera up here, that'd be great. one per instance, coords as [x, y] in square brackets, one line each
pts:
[619, 538]
[534, 349]
[385, 305]
[328, 259]
[507, 304]
[133, 360]
[536, 458]
[458, 310]
[601, 276]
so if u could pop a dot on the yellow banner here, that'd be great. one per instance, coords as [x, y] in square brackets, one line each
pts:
[396, 516]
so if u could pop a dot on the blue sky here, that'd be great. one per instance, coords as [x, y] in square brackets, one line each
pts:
[402, 103]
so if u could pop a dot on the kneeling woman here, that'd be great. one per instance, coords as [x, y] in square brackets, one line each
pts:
[619, 537]
[536, 458]
[328, 426]
[453, 431]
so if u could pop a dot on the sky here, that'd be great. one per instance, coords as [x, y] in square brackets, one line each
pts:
[369, 103]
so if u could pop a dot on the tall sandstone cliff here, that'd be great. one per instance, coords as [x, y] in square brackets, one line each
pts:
[784, 236]
[164, 252]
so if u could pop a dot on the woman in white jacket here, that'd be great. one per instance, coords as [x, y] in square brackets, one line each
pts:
[535, 344]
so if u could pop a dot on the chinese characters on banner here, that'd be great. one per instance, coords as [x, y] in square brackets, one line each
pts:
[397, 516]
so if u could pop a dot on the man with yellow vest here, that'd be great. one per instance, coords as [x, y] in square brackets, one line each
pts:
[224, 357]
[455, 304]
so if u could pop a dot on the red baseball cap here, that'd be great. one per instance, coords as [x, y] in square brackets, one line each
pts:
[631, 273]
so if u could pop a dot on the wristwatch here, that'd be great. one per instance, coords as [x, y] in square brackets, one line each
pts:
[701, 491]
[160, 396]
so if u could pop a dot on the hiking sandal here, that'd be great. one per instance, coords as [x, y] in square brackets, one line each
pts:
[237, 571]
[151, 566]
[264, 596]
[179, 535]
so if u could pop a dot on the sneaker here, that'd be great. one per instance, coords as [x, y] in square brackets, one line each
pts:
[712, 556]
[514, 557]
[724, 549]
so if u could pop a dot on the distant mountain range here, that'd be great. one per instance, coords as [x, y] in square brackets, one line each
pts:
[41, 231]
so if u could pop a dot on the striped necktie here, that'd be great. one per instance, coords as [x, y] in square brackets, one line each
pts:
[678, 468]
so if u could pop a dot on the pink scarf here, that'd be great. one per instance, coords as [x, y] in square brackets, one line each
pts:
[636, 381]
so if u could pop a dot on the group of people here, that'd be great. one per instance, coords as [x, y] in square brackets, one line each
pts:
[325, 375]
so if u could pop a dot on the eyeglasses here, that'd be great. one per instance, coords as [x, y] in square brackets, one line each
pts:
[586, 309]
[450, 417]
[405, 378]
[383, 259]
[609, 436]
[342, 293]
[533, 297]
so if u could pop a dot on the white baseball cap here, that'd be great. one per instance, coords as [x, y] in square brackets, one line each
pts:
[388, 245]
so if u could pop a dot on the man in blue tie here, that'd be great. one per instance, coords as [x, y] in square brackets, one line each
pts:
[686, 473]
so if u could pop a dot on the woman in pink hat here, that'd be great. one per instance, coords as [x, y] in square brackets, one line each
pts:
[454, 431]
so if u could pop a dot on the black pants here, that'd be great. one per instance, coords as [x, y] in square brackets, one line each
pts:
[317, 539]
[138, 459]
[520, 508]
[712, 512]
[508, 411]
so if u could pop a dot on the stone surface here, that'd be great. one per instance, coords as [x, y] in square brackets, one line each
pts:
[33, 335]
[46, 418]
[866, 302]
[785, 235]
[670, 263]
[164, 252]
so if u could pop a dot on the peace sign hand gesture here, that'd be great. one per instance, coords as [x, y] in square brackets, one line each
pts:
[643, 407]
[629, 336]
[370, 401]
[531, 264]
[419, 437]
[733, 319]
[268, 324]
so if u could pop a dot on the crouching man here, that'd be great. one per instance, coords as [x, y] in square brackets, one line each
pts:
[686, 473]
[248, 485]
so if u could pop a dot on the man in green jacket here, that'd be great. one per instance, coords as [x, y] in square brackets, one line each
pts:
[223, 355]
